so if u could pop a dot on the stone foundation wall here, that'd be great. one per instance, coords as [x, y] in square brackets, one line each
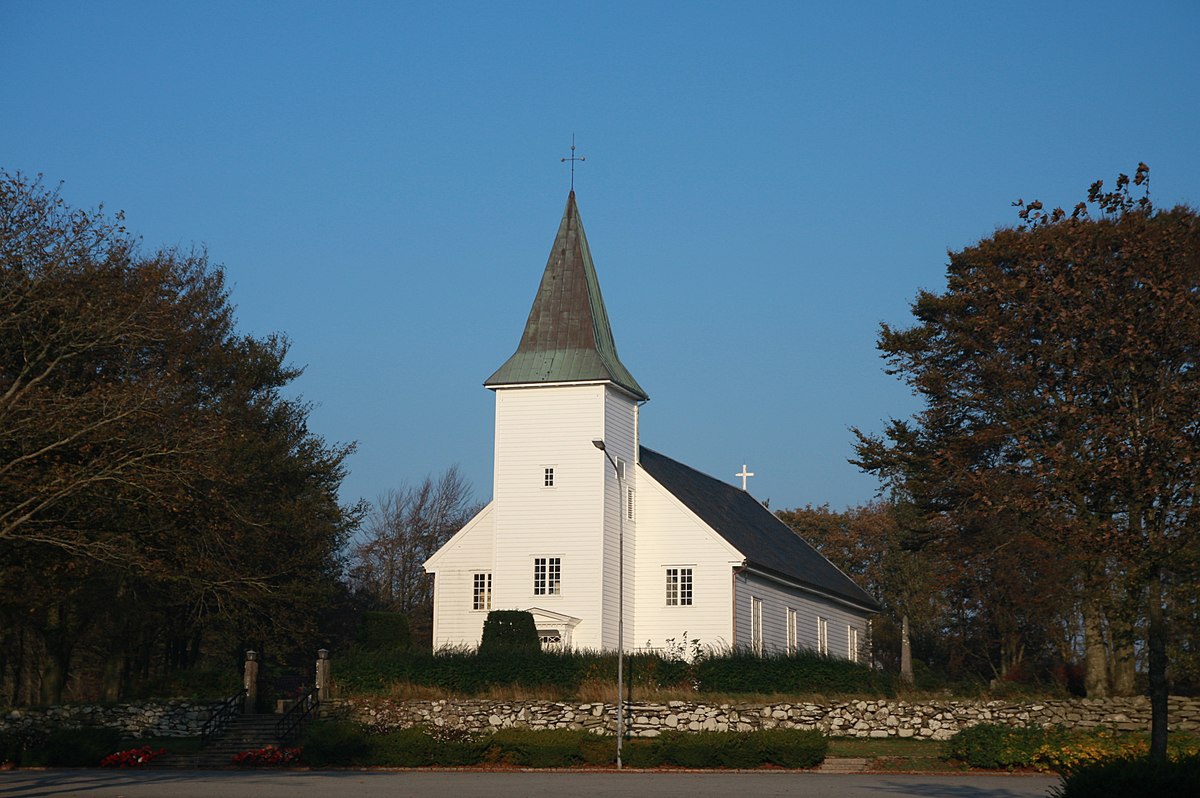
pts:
[142, 719]
[882, 718]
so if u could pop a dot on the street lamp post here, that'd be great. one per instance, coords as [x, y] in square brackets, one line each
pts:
[599, 444]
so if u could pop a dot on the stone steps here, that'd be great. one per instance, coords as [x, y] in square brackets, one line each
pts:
[843, 764]
[244, 733]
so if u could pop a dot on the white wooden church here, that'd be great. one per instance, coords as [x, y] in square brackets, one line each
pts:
[574, 487]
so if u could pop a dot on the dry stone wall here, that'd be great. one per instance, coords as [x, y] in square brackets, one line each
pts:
[143, 719]
[883, 718]
[936, 720]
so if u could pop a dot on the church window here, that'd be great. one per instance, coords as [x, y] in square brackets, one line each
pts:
[679, 587]
[756, 638]
[482, 594]
[822, 635]
[548, 477]
[852, 638]
[792, 642]
[547, 576]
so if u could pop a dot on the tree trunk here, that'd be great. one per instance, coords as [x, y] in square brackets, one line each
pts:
[1095, 657]
[1124, 674]
[906, 669]
[1157, 645]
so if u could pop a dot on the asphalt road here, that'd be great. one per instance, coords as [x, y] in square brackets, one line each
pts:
[431, 784]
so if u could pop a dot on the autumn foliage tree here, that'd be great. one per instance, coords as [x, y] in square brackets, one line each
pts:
[1060, 381]
[155, 484]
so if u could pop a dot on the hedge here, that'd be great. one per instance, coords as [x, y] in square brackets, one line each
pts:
[467, 672]
[341, 743]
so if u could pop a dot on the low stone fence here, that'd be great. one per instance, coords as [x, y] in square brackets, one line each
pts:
[937, 720]
[169, 718]
[869, 718]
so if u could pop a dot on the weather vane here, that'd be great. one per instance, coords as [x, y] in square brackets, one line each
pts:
[572, 159]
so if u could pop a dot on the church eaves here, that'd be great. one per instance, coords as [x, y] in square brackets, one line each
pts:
[567, 337]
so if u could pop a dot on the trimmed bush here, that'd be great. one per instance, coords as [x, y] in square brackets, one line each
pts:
[742, 671]
[335, 742]
[1121, 778]
[552, 748]
[791, 748]
[81, 748]
[509, 630]
[384, 631]
[466, 672]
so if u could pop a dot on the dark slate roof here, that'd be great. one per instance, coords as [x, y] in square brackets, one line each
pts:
[567, 336]
[767, 543]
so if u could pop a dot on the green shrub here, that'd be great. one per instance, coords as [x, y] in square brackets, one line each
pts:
[509, 630]
[551, 748]
[742, 671]
[990, 746]
[1121, 778]
[335, 742]
[641, 752]
[384, 631]
[83, 747]
[22, 748]
[790, 748]
[403, 748]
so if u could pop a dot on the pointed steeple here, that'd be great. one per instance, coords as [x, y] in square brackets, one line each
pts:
[567, 336]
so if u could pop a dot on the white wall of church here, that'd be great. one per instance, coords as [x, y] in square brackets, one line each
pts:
[620, 440]
[670, 536]
[776, 599]
[455, 621]
[540, 428]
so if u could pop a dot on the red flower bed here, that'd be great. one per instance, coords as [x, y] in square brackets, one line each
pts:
[134, 757]
[266, 757]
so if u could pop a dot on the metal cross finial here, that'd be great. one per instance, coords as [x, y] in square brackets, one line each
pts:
[572, 159]
[744, 473]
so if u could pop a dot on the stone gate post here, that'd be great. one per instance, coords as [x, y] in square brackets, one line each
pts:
[324, 676]
[250, 682]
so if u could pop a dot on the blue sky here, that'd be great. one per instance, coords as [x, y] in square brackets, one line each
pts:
[764, 185]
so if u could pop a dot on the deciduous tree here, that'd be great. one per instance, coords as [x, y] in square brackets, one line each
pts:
[1060, 381]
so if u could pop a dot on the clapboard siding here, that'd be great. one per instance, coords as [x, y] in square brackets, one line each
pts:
[454, 566]
[776, 599]
[670, 535]
[551, 427]
[620, 443]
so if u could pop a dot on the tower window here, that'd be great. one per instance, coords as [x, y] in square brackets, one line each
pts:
[547, 576]
[548, 477]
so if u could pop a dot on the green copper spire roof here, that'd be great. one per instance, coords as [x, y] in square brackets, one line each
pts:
[567, 336]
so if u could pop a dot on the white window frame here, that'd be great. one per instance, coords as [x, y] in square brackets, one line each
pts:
[548, 476]
[793, 642]
[756, 627]
[547, 576]
[680, 586]
[852, 652]
[822, 635]
[481, 591]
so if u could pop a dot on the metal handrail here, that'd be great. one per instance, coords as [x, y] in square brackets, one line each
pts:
[299, 714]
[222, 715]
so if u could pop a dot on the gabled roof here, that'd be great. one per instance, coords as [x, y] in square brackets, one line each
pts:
[567, 336]
[767, 543]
